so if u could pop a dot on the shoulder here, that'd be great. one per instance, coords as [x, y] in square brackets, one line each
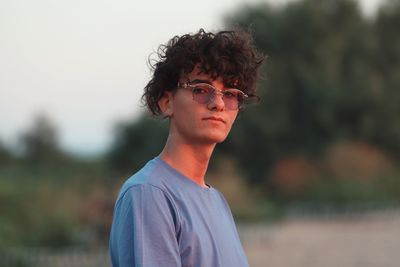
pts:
[143, 194]
[146, 202]
[148, 177]
[149, 185]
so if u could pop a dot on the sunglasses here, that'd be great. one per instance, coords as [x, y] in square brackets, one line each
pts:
[233, 98]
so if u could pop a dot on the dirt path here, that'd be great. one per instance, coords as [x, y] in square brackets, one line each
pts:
[365, 241]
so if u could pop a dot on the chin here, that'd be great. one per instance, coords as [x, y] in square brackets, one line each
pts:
[216, 138]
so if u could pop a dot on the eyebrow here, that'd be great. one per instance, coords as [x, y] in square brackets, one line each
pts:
[200, 81]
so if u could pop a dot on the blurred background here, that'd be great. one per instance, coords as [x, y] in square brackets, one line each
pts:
[311, 173]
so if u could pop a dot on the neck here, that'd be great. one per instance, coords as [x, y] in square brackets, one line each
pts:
[190, 160]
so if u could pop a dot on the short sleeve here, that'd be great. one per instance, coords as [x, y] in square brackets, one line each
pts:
[144, 229]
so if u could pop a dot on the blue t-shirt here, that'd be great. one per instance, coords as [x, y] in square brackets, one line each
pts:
[162, 218]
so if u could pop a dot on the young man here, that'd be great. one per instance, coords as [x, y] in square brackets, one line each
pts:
[166, 215]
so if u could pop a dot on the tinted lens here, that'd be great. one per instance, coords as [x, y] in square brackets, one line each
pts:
[232, 98]
[203, 93]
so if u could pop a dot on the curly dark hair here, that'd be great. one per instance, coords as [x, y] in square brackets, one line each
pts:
[228, 54]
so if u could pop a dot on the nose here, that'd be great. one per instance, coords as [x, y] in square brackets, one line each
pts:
[216, 101]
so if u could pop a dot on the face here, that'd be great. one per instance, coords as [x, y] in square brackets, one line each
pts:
[196, 123]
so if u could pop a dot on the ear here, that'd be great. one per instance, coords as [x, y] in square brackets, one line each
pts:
[165, 104]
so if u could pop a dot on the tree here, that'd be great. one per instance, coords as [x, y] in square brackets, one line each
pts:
[136, 142]
[39, 144]
[386, 120]
[332, 74]
[5, 154]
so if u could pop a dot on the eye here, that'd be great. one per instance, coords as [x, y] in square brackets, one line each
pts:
[230, 94]
[200, 90]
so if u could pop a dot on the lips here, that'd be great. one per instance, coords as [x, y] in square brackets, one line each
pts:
[213, 118]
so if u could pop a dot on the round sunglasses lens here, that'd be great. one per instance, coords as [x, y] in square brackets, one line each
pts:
[201, 94]
[231, 99]
[231, 104]
[204, 93]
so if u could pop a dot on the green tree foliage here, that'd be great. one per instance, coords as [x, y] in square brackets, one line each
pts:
[34, 216]
[137, 142]
[5, 154]
[386, 120]
[322, 82]
[39, 145]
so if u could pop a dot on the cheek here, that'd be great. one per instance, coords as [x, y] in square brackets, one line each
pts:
[231, 120]
[232, 117]
[183, 111]
[184, 116]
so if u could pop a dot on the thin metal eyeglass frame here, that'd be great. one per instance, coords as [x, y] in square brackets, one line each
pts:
[240, 103]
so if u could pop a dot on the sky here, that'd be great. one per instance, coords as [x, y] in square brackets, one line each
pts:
[83, 63]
